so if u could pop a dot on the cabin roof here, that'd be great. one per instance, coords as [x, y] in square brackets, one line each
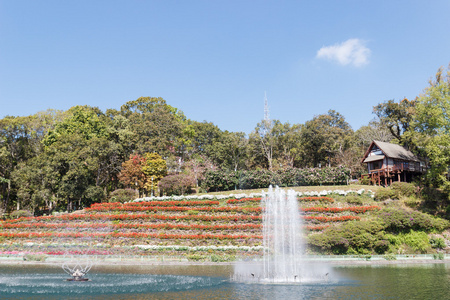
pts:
[391, 151]
[373, 158]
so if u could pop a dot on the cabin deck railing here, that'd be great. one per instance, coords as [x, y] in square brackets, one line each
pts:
[395, 169]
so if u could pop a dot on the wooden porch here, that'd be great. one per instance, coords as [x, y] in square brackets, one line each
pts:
[399, 172]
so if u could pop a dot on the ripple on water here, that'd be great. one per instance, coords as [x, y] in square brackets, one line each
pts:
[101, 284]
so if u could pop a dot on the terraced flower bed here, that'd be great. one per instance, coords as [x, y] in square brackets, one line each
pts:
[224, 227]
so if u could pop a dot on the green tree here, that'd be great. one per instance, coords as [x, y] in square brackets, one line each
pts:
[397, 117]
[233, 150]
[431, 127]
[324, 137]
[84, 121]
[154, 168]
[288, 147]
[157, 126]
[79, 147]
[20, 140]
[266, 138]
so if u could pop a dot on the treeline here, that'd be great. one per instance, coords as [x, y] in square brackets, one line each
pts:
[69, 159]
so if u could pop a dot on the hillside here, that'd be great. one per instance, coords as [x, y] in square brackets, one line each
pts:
[223, 227]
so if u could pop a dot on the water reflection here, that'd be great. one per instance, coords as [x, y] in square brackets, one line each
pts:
[211, 282]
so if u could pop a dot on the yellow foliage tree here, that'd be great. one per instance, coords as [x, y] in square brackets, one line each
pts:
[154, 168]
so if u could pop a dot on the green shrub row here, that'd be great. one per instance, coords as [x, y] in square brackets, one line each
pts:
[386, 234]
[398, 190]
[252, 179]
[401, 220]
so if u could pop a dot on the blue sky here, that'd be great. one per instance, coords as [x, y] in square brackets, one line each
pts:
[215, 59]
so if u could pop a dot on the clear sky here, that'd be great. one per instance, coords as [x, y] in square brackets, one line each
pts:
[214, 59]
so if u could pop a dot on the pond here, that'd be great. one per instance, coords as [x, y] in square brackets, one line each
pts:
[401, 281]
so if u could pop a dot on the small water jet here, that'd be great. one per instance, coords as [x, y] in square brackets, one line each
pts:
[77, 270]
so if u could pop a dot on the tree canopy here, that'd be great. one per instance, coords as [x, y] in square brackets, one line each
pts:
[68, 159]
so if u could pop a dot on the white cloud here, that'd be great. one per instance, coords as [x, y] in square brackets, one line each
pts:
[351, 51]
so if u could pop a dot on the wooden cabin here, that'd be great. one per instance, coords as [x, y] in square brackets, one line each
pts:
[388, 162]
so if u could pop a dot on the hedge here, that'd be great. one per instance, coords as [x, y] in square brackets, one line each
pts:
[221, 180]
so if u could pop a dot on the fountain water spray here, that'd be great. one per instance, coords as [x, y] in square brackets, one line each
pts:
[282, 236]
[77, 270]
[283, 243]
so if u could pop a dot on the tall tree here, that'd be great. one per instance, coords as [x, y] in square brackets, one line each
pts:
[157, 126]
[80, 148]
[266, 137]
[132, 175]
[288, 147]
[233, 150]
[430, 130]
[199, 139]
[20, 140]
[373, 131]
[324, 137]
[397, 117]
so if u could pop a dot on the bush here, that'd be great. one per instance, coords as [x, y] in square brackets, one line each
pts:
[352, 237]
[390, 256]
[222, 258]
[418, 241]
[20, 213]
[34, 257]
[381, 246]
[353, 199]
[437, 243]
[94, 194]
[196, 257]
[439, 256]
[254, 179]
[123, 195]
[178, 184]
[384, 194]
[364, 181]
[216, 181]
[404, 189]
[402, 220]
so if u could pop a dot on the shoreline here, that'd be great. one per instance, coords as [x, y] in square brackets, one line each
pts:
[124, 261]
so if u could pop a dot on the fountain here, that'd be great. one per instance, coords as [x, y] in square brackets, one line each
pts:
[283, 237]
[77, 270]
[283, 242]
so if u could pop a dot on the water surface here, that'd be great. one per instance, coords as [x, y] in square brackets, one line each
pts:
[427, 281]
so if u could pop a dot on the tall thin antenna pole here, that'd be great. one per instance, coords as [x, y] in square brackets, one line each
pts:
[266, 108]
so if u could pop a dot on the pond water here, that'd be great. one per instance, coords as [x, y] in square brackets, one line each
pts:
[420, 281]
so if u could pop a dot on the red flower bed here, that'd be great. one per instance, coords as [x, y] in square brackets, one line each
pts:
[332, 219]
[319, 199]
[135, 226]
[169, 217]
[110, 217]
[232, 201]
[177, 208]
[115, 205]
[355, 209]
[127, 235]
[73, 252]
